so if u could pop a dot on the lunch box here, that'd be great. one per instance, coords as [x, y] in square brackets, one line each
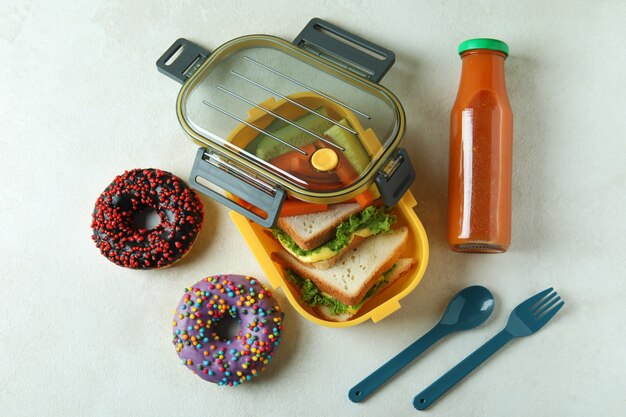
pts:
[263, 109]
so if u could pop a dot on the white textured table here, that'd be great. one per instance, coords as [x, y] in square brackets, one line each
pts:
[81, 101]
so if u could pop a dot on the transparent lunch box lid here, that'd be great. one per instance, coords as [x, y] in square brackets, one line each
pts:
[301, 119]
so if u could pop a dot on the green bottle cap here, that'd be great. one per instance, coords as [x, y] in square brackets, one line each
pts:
[484, 43]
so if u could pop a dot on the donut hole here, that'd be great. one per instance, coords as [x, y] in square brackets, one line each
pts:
[147, 219]
[227, 328]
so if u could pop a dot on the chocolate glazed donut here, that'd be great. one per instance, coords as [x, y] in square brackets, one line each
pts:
[177, 205]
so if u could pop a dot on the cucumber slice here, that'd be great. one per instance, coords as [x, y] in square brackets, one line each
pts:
[266, 147]
[354, 150]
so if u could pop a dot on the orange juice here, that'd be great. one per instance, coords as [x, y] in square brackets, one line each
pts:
[481, 134]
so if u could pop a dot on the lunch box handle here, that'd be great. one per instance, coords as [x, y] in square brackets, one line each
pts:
[349, 51]
[226, 177]
[396, 178]
[185, 64]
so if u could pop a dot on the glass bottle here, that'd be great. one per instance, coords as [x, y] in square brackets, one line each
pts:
[481, 134]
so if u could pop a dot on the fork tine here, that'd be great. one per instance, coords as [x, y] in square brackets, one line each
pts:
[535, 298]
[546, 306]
[546, 317]
[541, 303]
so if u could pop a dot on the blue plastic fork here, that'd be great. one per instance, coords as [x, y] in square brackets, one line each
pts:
[525, 319]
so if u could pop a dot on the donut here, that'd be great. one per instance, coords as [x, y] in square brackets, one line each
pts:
[227, 362]
[177, 205]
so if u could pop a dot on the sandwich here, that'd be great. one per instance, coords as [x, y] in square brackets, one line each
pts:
[337, 293]
[321, 239]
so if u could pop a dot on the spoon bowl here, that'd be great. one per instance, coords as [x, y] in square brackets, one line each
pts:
[469, 308]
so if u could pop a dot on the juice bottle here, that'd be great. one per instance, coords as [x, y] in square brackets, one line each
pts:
[481, 134]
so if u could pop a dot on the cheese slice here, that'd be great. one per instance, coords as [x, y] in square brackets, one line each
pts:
[320, 255]
[323, 253]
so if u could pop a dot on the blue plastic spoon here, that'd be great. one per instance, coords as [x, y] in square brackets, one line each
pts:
[467, 310]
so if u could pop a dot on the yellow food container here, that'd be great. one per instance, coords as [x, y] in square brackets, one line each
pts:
[382, 303]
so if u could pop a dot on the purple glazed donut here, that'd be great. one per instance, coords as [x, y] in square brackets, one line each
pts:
[218, 360]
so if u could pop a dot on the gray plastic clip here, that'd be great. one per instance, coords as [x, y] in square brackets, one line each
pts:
[269, 200]
[185, 64]
[396, 180]
[345, 49]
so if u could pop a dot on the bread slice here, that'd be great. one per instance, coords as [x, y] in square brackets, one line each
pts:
[357, 270]
[312, 230]
[400, 268]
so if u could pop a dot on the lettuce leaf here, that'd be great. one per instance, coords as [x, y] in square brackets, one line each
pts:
[312, 296]
[377, 219]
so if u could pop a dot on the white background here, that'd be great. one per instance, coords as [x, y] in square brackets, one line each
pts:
[81, 101]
